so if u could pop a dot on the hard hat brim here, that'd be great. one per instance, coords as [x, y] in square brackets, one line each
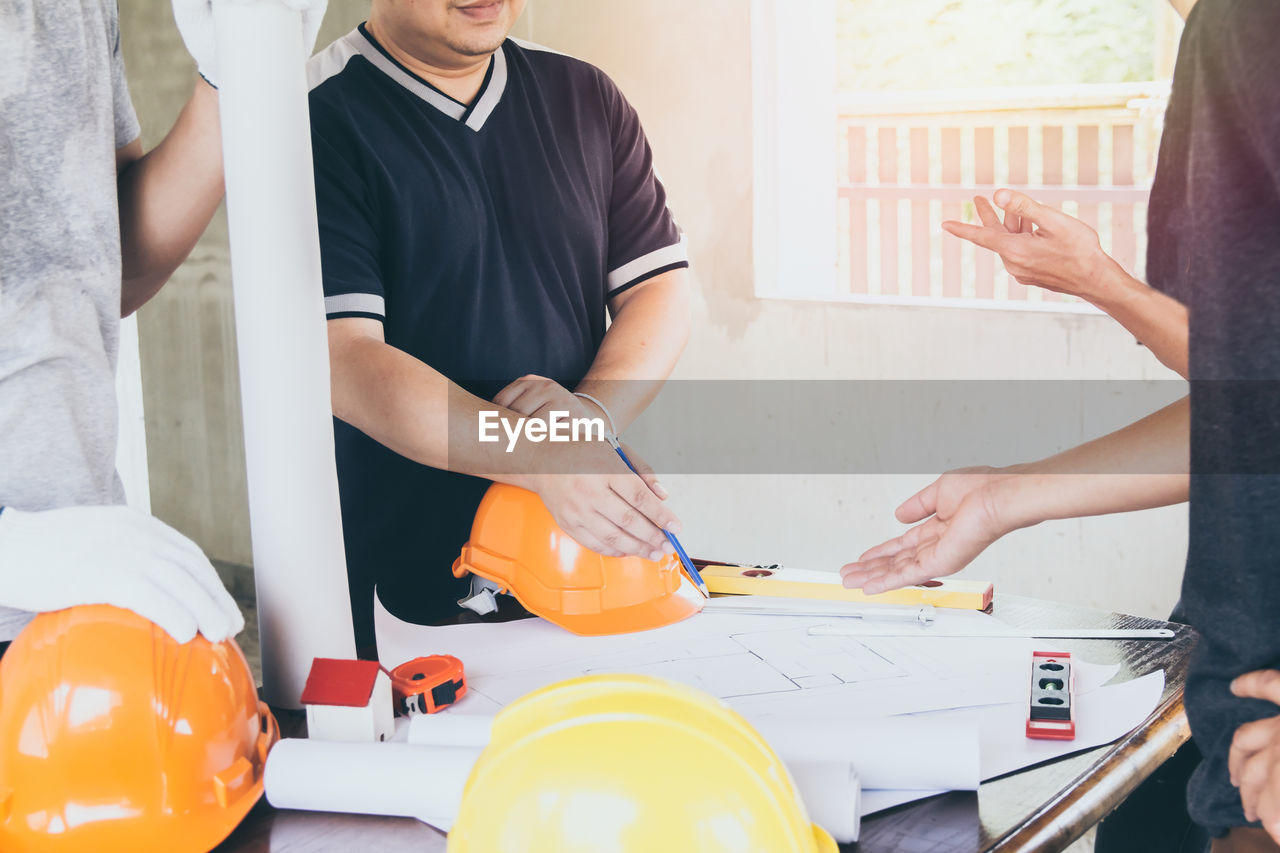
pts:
[627, 620]
[823, 842]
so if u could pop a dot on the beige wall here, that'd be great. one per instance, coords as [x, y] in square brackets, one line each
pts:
[686, 67]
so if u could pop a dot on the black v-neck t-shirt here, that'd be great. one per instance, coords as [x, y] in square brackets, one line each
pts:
[487, 238]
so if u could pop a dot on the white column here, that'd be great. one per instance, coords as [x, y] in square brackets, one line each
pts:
[299, 565]
[131, 445]
[793, 81]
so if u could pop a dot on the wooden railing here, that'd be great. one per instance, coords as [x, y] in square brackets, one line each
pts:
[918, 158]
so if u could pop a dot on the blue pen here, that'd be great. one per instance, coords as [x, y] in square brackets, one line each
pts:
[689, 568]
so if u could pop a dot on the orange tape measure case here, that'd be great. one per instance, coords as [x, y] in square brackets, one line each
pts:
[428, 684]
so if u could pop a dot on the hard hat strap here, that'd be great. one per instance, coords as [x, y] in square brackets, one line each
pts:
[483, 596]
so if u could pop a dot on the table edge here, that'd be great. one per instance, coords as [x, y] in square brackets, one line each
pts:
[1095, 793]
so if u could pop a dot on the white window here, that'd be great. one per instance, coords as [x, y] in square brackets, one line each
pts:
[855, 173]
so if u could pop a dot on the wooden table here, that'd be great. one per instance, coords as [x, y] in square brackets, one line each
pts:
[1043, 808]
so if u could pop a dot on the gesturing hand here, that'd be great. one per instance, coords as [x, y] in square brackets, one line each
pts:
[1039, 245]
[960, 516]
[1254, 759]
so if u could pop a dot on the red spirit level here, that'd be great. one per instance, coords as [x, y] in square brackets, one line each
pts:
[1053, 693]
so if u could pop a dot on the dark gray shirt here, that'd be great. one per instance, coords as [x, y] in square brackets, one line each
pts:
[1215, 245]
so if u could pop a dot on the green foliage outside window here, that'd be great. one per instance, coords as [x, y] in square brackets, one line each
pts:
[940, 44]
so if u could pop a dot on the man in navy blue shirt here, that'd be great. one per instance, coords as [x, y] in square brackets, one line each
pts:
[483, 205]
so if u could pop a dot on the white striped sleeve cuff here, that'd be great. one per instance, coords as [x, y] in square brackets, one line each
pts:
[645, 266]
[355, 303]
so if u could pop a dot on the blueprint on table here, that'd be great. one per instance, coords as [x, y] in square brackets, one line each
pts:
[757, 663]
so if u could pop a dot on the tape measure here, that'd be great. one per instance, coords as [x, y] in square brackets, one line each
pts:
[429, 684]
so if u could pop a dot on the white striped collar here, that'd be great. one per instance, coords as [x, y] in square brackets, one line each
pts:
[474, 116]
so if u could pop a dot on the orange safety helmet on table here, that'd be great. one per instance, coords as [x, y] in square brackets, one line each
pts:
[114, 737]
[517, 544]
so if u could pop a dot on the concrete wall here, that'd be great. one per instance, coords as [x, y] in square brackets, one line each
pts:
[686, 67]
[187, 334]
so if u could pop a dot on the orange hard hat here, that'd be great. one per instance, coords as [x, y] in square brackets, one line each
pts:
[114, 737]
[517, 544]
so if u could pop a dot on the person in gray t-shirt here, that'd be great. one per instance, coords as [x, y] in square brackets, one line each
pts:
[90, 229]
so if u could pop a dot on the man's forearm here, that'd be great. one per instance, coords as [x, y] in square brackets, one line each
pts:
[1141, 466]
[411, 408]
[1158, 321]
[414, 410]
[167, 198]
[649, 331]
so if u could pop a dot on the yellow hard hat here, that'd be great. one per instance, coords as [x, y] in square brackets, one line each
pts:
[629, 764]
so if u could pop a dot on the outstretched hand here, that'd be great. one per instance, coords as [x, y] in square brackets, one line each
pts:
[956, 518]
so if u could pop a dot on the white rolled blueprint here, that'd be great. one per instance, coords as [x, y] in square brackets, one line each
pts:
[829, 789]
[392, 779]
[299, 565]
[451, 729]
[831, 795]
[902, 753]
[921, 753]
[426, 782]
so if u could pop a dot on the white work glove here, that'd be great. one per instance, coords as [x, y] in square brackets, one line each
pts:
[195, 21]
[113, 555]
